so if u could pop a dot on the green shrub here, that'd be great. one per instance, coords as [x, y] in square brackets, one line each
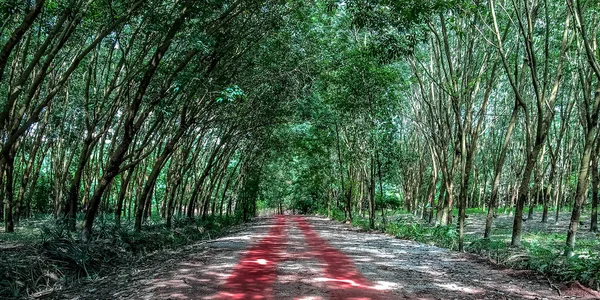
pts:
[542, 258]
[442, 236]
[305, 206]
[361, 223]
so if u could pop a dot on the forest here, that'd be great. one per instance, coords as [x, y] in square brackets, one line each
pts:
[131, 126]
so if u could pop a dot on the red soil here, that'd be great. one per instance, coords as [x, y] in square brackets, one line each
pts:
[254, 275]
[256, 272]
[344, 280]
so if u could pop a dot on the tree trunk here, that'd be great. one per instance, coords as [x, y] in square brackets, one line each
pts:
[537, 184]
[583, 177]
[595, 188]
[8, 167]
[73, 197]
[2, 201]
[227, 183]
[125, 180]
[198, 187]
[372, 194]
[468, 164]
[170, 207]
[18, 34]
[440, 217]
[523, 195]
[559, 195]
[349, 202]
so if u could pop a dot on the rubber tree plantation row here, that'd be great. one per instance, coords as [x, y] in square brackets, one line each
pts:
[137, 108]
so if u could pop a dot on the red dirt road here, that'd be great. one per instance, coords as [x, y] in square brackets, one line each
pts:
[311, 258]
[253, 277]
[344, 280]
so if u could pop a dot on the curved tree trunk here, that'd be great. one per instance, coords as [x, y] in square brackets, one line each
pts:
[131, 126]
[583, 177]
[125, 180]
[595, 188]
[73, 196]
[18, 34]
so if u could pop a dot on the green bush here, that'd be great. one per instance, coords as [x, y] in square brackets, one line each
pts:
[361, 223]
[583, 268]
[305, 206]
[442, 236]
[542, 258]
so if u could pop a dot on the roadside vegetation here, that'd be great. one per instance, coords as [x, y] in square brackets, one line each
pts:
[542, 250]
[45, 257]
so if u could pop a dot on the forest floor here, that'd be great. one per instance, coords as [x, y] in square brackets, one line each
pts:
[292, 257]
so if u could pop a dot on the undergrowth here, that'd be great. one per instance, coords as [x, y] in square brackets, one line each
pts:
[540, 251]
[52, 257]
[541, 257]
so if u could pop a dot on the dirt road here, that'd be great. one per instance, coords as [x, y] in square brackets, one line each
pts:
[293, 257]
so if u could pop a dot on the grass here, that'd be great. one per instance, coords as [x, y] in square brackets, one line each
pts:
[541, 248]
[43, 255]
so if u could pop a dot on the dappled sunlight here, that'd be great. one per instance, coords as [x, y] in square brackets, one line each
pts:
[410, 270]
[352, 283]
[201, 274]
[256, 271]
[385, 285]
[459, 288]
[221, 266]
[173, 283]
[343, 279]
[312, 258]
[178, 296]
